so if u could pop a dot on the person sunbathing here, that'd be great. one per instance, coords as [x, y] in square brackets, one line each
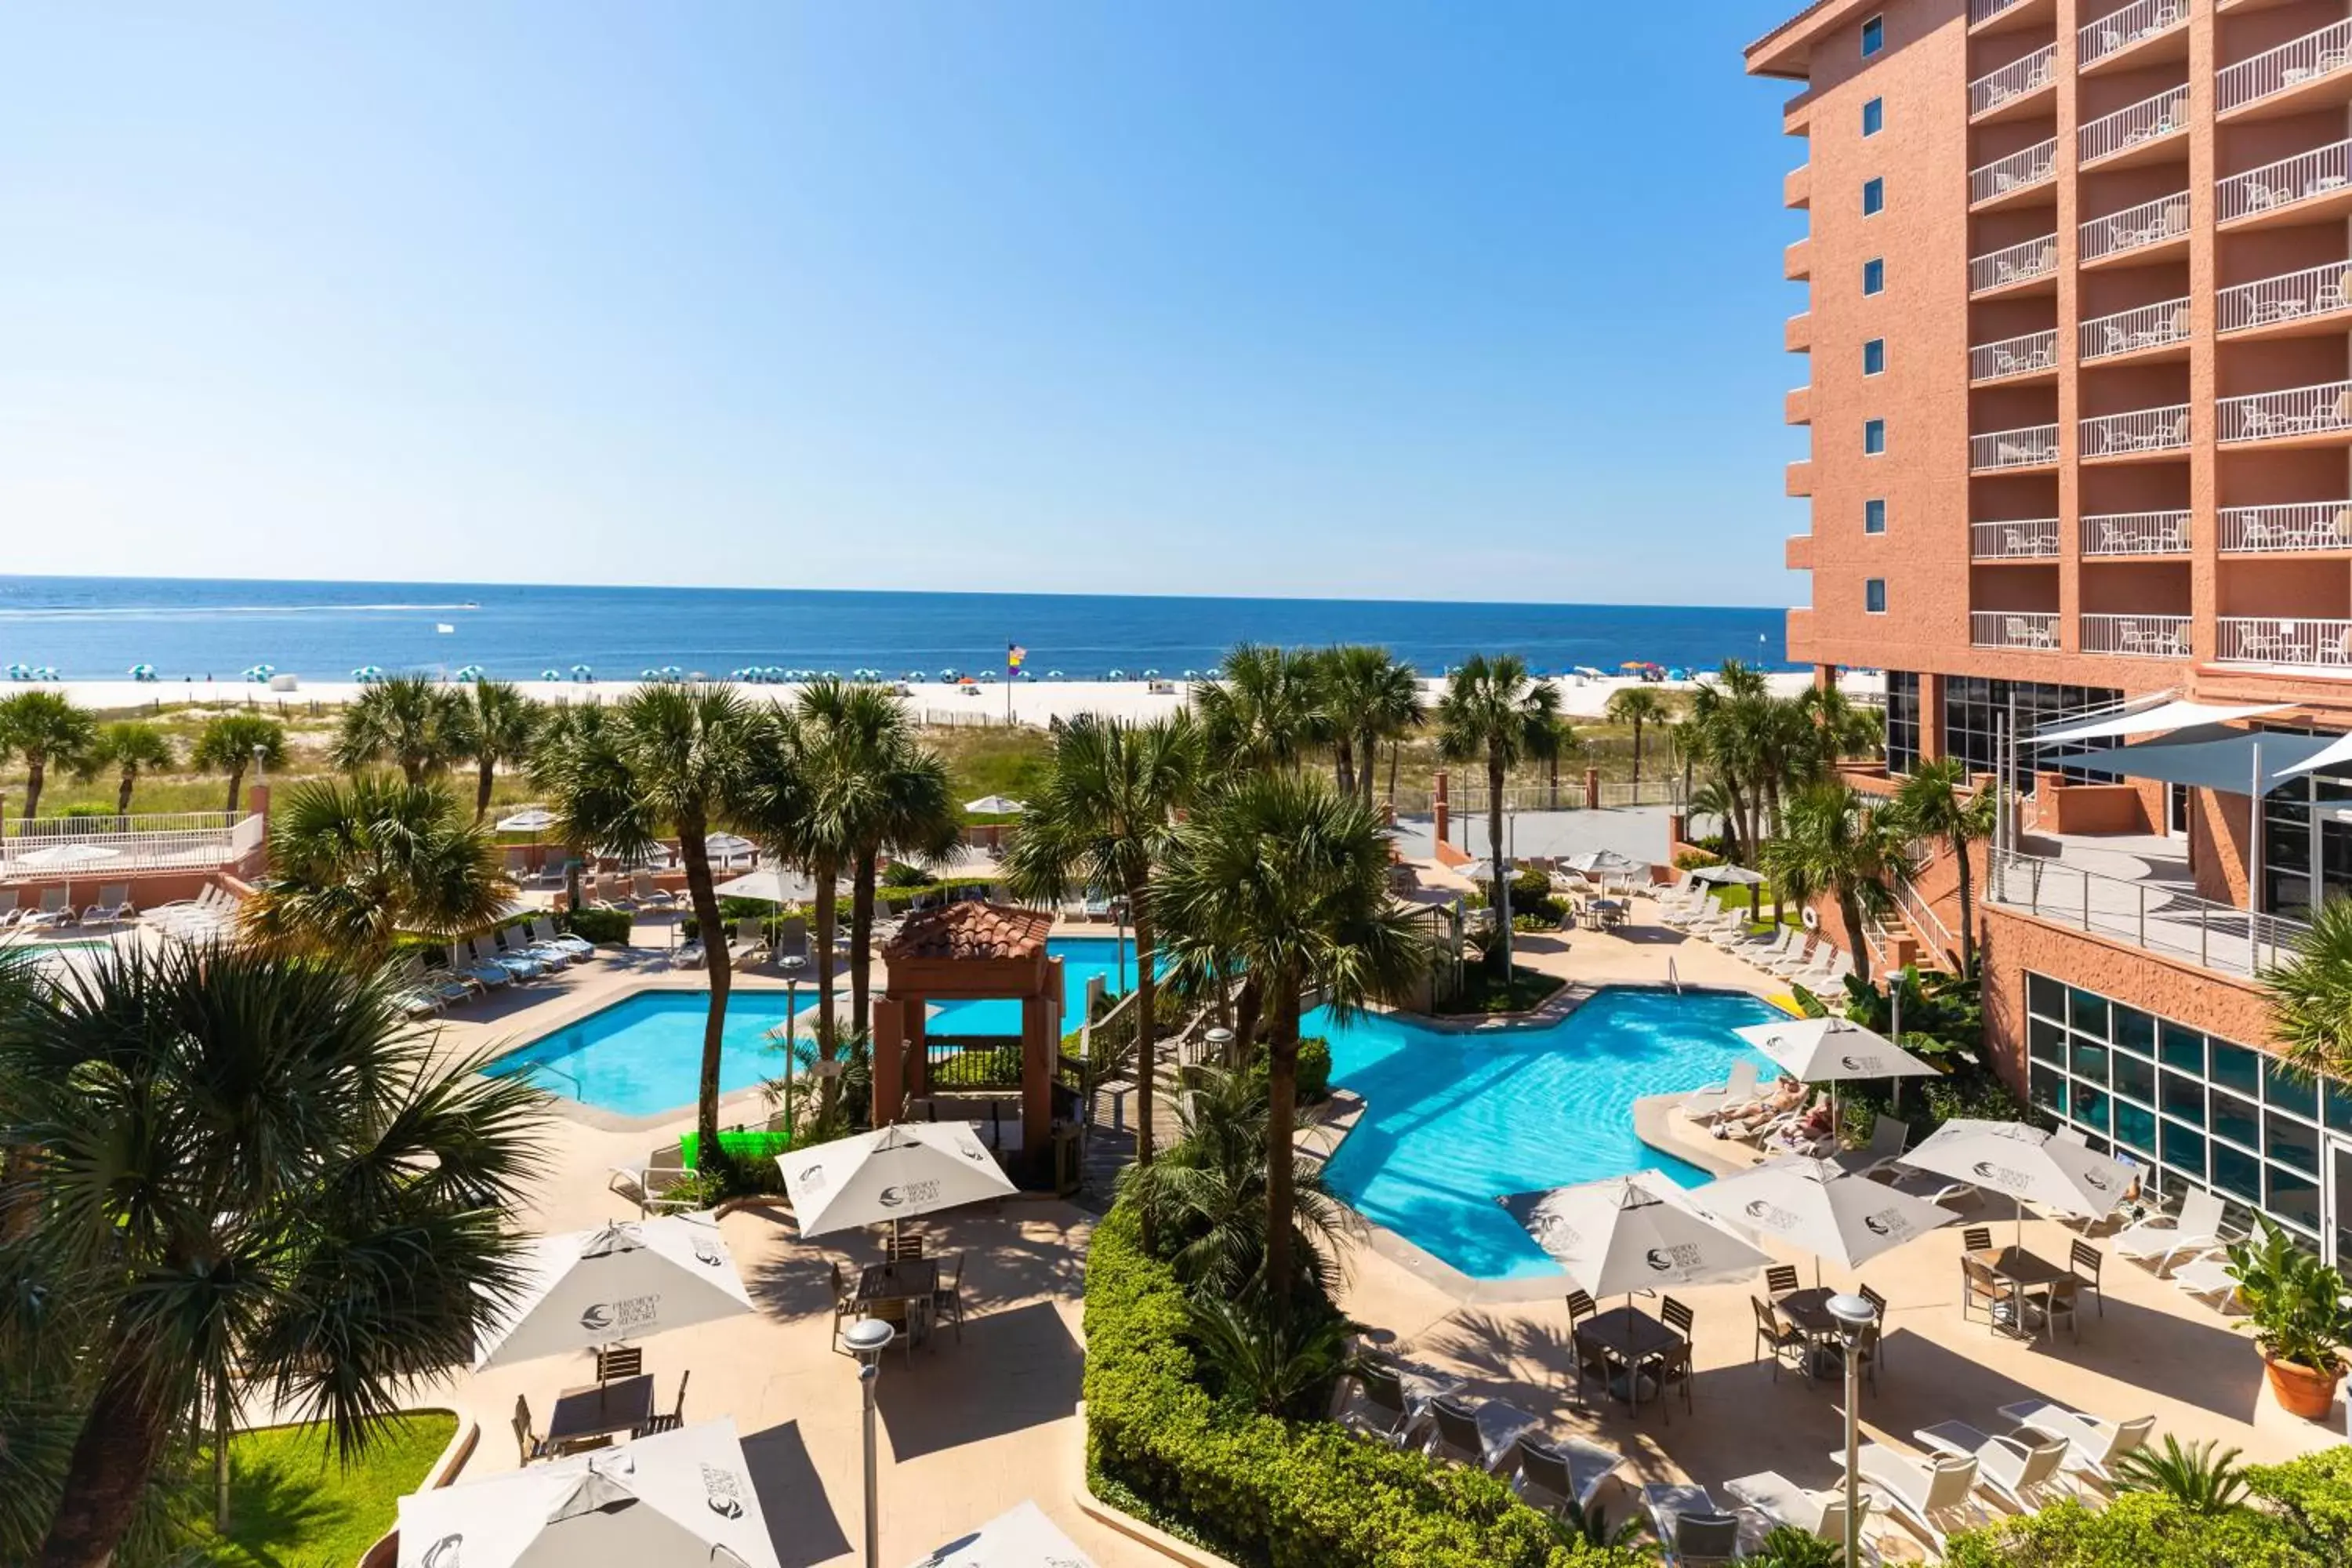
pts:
[1803, 1136]
[1786, 1096]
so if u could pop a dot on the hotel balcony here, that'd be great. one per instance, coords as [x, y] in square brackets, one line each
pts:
[1800, 477]
[2035, 353]
[1797, 553]
[1797, 333]
[2034, 447]
[2303, 643]
[2147, 637]
[2107, 139]
[2008, 13]
[2164, 221]
[2292, 189]
[1797, 187]
[2296, 528]
[2136, 533]
[2118, 31]
[2014, 86]
[2307, 416]
[2297, 75]
[1796, 261]
[2137, 434]
[2033, 262]
[2014, 628]
[2026, 538]
[2285, 301]
[2146, 327]
[2014, 175]
[1797, 407]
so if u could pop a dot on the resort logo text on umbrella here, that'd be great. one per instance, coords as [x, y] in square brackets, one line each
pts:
[907, 1193]
[1680, 1258]
[1771, 1216]
[723, 1491]
[634, 1315]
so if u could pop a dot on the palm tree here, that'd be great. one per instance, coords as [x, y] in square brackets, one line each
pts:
[2310, 993]
[1832, 845]
[1845, 726]
[1935, 803]
[42, 730]
[331, 1232]
[352, 865]
[496, 723]
[1280, 877]
[1493, 712]
[231, 743]
[1106, 819]
[1638, 706]
[130, 747]
[407, 721]
[1367, 696]
[1264, 711]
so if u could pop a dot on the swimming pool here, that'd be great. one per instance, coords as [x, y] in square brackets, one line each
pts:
[1454, 1121]
[1083, 958]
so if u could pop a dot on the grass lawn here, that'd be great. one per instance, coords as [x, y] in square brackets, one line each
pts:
[292, 1506]
[1486, 992]
[1736, 899]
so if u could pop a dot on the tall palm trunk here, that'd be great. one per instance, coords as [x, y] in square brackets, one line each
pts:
[36, 767]
[122, 793]
[861, 937]
[1637, 756]
[1248, 1008]
[1282, 1120]
[826, 873]
[1396, 750]
[482, 782]
[1367, 747]
[1850, 910]
[704, 896]
[236, 787]
[1501, 883]
[1343, 765]
[113, 1461]
[1968, 916]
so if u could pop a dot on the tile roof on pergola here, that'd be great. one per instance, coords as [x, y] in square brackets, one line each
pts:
[971, 930]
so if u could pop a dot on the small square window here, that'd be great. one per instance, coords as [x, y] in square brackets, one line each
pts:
[1873, 357]
[1874, 437]
[1873, 517]
[1873, 116]
[1873, 35]
[1874, 595]
[1873, 197]
[1874, 276]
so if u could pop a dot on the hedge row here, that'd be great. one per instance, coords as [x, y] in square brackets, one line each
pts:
[1291, 1494]
[2302, 1520]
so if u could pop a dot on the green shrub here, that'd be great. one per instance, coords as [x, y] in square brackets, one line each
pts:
[739, 1145]
[1692, 859]
[603, 927]
[2137, 1530]
[1314, 1069]
[905, 874]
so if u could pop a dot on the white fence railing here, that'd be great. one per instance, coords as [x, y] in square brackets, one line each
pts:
[2314, 291]
[2127, 127]
[2136, 533]
[97, 851]
[2298, 525]
[2020, 170]
[2153, 916]
[2030, 448]
[2284, 183]
[2141, 430]
[2028, 539]
[2298, 411]
[1924, 918]
[2014, 356]
[2142, 327]
[1647, 792]
[2019, 263]
[2150, 223]
[2299, 61]
[2014, 628]
[2121, 29]
[1986, 10]
[2262, 639]
[2151, 637]
[2015, 80]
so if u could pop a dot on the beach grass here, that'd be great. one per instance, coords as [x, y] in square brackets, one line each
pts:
[293, 1505]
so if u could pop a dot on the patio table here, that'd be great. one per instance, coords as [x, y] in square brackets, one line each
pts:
[910, 1280]
[1628, 1336]
[2029, 1272]
[600, 1409]
[1808, 1313]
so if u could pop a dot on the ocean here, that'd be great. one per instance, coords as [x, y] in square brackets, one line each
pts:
[96, 629]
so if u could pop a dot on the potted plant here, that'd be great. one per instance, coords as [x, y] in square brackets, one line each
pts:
[2301, 1315]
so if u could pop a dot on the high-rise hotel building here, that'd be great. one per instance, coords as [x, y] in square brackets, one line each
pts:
[2078, 335]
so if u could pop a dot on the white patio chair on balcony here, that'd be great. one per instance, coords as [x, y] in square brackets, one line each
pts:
[2261, 196]
[2019, 631]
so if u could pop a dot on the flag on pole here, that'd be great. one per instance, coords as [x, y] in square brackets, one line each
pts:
[1013, 653]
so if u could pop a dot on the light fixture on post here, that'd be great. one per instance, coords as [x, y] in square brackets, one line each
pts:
[1853, 1315]
[867, 1338]
[792, 964]
[1221, 1041]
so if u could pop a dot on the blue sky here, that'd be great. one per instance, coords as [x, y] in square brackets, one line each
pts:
[1366, 299]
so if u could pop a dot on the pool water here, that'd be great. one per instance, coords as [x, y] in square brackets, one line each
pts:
[1083, 958]
[1453, 1122]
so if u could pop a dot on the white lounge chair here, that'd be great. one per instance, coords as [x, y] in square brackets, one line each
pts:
[1889, 1137]
[2208, 1277]
[1799, 958]
[1777, 1500]
[542, 933]
[2163, 1238]
[2094, 1443]
[1482, 1434]
[465, 961]
[1572, 1470]
[1933, 1498]
[521, 965]
[1392, 1402]
[647, 896]
[1737, 1089]
[2018, 1472]
[1690, 1528]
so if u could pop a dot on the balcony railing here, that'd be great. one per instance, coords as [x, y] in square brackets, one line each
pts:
[2151, 636]
[2284, 183]
[2284, 529]
[2314, 291]
[2027, 538]
[2030, 448]
[2150, 223]
[2154, 916]
[1986, 10]
[2015, 79]
[2307, 58]
[2146, 327]
[96, 850]
[2302, 411]
[2014, 356]
[2141, 430]
[2121, 29]
[2014, 628]
[2259, 639]
[2145, 121]
[2136, 533]
[2018, 171]
[2021, 263]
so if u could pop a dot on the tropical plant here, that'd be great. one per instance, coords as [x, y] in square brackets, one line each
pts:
[1834, 846]
[1493, 713]
[495, 723]
[255, 1178]
[1264, 709]
[1842, 727]
[2193, 1475]
[131, 747]
[1936, 803]
[2294, 1302]
[232, 743]
[1367, 696]
[410, 722]
[1639, 706]
[354, 863]
[1275, 1363]
[1785, 1546]
[42, 730]
[2310, 993]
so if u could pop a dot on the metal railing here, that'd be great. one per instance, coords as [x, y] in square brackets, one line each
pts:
[2264, 639]
[1647, 792]
[2284, 183]
[2314, 291]
[2297, 411]
[1986, 10]
[2291, 64]
[2150, 636]
[2142, 327]
[2121, 29]
[2019, 263]
[2136, 533]
[2014, 356]
[1923, 917]
[2155, 917]
[2280, 529]
[2014, 628]
[2026, 538]
[100, 850]
[2015, 80]
[2028, 447]
[2150, 223]
[2020, 170]
[2141, 430]
[2127, 127]
[1469, 799]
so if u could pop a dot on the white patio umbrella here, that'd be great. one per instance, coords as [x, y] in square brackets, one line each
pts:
[1632, 1233]
[1022, 1537]
[1832, 1051]
[898, 1172]
[589, 1288]
[65, 857]
[674, 1500]
[1729, 875]
[995, 805]
[1603, 862]
[770, 885]
[727, 846]
[1816, 1206]
[531, 819]
[2026, 1164]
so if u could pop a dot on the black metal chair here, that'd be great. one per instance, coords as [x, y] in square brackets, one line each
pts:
[658, 1422]
[1782, 1339]
[947, 1298]
[2083, 1261]
[1781, 1279]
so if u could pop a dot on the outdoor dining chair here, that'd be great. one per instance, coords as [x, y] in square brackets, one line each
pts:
[658, 1422]
[947, 1300]
[902, 1248]
[1781, 1279]
[1977, 1239]
[2083, 1261]
[1878, 1305]
[614, 1363]
[529, 1443]
[1786, 1341]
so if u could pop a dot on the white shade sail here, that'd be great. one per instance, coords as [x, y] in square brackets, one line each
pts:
[1832, 1050]
[2217, 759]
[2147, 720]
[1632, 1233]
[898, 1172]
[625, 1281]
[1022, 1537]
[2025, 1163]
[1815, 1206]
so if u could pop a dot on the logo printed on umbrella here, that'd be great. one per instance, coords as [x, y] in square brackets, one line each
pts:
[1667, 1259]
[707, 1253]
[1771, 1215]
[1857, 1064]
[1885, 1222]
[812, 1178]
[618, 1318]
[2001, 1176]
[2096, 1180]
[907, 1193]
[722, 1491]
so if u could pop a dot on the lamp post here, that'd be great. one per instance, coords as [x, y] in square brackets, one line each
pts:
[1221, 1041]
[867, 1338]
[792, 964]
[1853, 1315]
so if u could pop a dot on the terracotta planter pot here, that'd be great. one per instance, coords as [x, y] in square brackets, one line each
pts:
[2301, 1391]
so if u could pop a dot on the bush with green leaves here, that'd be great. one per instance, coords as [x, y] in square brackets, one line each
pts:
[1314, 1069]
[1785, 1546]
[2294, 1301]
[2299, 1515]
[606, 928]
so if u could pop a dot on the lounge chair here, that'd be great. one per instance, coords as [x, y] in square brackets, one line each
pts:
[647, 896]
[1094, 909]
[1690, 1528]
[2197, 1229]
[1889, 1137]
[1779, 943]
[515, 942]
[1934, 1498]
[542, 933]
[1391, 1403]
[2018, 1472]
[113, 905]
[644, 1184]
[1777, 1501]
[1737, 1089]
[10, 918]
[465, 962]
[2209, 1277]
[1482, 1434]
[1799, 957]
[1937, 1189]
[750, 943]
[56, 911]
[492, 949]
[1572, 1470]
[2094, 1443]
